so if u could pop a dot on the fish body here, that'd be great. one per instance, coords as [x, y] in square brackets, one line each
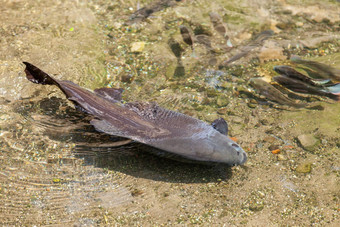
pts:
[218, 24]
[292, 73]
[272, 93]
[324, 71]
[148, 123]
[302, 87]
[256, 42]
[186, 35]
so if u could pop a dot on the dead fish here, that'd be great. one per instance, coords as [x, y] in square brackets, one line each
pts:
[325, 71]
[302, 87]
[186, 36]
[148, 123]
[292, 73]
[218, 24]
[272, 93]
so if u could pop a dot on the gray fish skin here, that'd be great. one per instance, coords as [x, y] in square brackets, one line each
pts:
[273, 93]
[149, 124]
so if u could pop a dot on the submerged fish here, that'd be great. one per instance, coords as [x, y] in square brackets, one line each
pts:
[175, 47]
[257, 42]
[218, 24]
[325, 71]
[292, 73]
[272, 93]
[145, 12]
[186, 36]
[302, 87]
[147, 123]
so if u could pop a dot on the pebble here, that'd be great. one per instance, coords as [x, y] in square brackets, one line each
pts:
[304, 168]
[308, 142]
[281, 157]
[222, 101]
[137, 46]
[271, 51]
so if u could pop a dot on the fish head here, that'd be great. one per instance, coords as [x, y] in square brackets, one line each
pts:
[281, 69]
[225, 150]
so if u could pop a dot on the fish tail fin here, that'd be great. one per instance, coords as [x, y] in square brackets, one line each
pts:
[36, 75]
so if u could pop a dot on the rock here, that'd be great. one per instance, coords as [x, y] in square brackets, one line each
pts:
[222, 111]
[273, 147]
[252, 103]
[271, 51]
[299, 24]
[304, 168]
[269, 139]
[308, 142]
[256, 206]
[137, 46]
[237, 120]
[281, 157]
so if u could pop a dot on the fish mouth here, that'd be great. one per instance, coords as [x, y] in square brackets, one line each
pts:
[244, 158]
[242, 155]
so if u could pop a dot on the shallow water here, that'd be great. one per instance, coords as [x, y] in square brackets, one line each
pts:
[56, 169]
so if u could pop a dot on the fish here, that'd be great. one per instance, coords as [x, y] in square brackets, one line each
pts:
[205, 40]
[147, 123]
[218, 24]
[273, 94]
[302, 87]
[256, 42]
[292, 73]
[186, 36]
[325, 71]
[145, 12]
[175, 48]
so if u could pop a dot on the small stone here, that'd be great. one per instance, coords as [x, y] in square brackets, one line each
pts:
[271, 51]
[222, 111]
[251, 105]
[273, 147]
[137, 47]
[281, 157]
[304, 168]
[256, 206]
[299, 24]
[237, 120]
[269, 139]
[308, 142]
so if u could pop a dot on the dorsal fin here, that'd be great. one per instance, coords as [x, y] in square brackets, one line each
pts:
[220, 125]
[112, 94]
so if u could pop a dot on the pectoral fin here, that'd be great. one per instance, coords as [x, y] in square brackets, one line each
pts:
[220, 125]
